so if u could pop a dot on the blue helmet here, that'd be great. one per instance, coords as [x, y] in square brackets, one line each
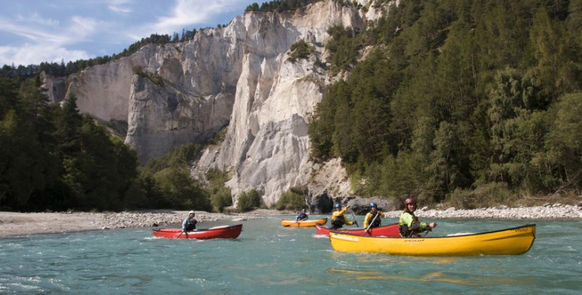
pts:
[338, 205]
[373, 205]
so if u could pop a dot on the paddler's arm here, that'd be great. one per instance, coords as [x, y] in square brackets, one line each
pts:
[184, 224]
[337, 214]
[367, 219]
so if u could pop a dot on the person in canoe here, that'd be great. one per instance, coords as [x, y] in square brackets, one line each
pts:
[189, 224]
[302, 216]
[374, 217]
[409, 225]
[337, 217]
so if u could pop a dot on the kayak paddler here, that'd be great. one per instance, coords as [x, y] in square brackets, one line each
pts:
[337, 217]
[189, 224]
[409, 225]
[301, 216]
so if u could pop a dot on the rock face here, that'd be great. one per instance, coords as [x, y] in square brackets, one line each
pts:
[171, 118]
[267, 145]
[56, 87]
[237, 76]
[192, 102]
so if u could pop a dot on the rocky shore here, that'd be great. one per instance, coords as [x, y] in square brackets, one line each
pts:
[547, 211]
[18, 224]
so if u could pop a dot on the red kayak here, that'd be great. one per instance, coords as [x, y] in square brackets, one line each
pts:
[217, 232]
[390, 230]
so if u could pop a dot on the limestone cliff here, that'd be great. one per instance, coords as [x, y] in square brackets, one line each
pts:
[267, 146]
[237, 76]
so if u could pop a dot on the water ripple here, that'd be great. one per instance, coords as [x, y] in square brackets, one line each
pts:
[269, 259]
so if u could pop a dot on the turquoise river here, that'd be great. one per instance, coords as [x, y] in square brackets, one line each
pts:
[270, 259]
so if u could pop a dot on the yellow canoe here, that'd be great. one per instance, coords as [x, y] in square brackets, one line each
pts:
[510, 241]
[305, 223]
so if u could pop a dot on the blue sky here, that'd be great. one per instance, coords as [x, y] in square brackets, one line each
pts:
[33, 31]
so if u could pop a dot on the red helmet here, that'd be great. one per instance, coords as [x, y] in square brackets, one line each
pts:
[410, 201]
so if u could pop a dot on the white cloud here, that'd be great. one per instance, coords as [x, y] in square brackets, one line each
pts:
[34, 34]
[47, 43]
[37, 18]
[82, 27]
[77, 31]
[35, 54]
[119, 6]
[189, 12]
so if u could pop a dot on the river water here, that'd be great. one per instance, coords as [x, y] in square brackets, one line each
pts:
[270, 259]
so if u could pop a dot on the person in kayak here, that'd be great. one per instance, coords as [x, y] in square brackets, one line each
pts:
[337, 218]
[374, 217]
[301, 216]
[189, 224]
[409, 225]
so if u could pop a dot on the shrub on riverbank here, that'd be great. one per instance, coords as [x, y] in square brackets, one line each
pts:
[248, 201]
[489, 195]
[290, 200]
[220, 194]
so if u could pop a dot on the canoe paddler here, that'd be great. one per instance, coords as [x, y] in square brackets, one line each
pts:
[374, 217]
[409, 225]
[189, 224]
[337, 217]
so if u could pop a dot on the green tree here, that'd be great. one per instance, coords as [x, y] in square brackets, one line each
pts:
[290, 200]
[8, 95]
[551, 48]
[343, 47]
[23, 163]
[447, 162]
[181, 191]
[322, 124]
[248, 201]
[220, 194]
[563, 155]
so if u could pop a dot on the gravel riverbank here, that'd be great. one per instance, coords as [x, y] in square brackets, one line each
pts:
[18, 224]
[547, 211]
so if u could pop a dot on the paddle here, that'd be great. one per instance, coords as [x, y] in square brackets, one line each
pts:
[373, 219]
[428, 229]
[354, 217]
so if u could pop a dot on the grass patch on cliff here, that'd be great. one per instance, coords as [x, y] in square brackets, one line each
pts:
[218, 138]
[300, 49]
[154, 77]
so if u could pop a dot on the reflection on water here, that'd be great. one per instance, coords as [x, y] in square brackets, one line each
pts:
[375, 275]
[436, 276]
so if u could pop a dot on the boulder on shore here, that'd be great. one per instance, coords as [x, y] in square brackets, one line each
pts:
[361, 206]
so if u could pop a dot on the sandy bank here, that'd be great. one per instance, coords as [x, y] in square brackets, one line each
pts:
[18, 224]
